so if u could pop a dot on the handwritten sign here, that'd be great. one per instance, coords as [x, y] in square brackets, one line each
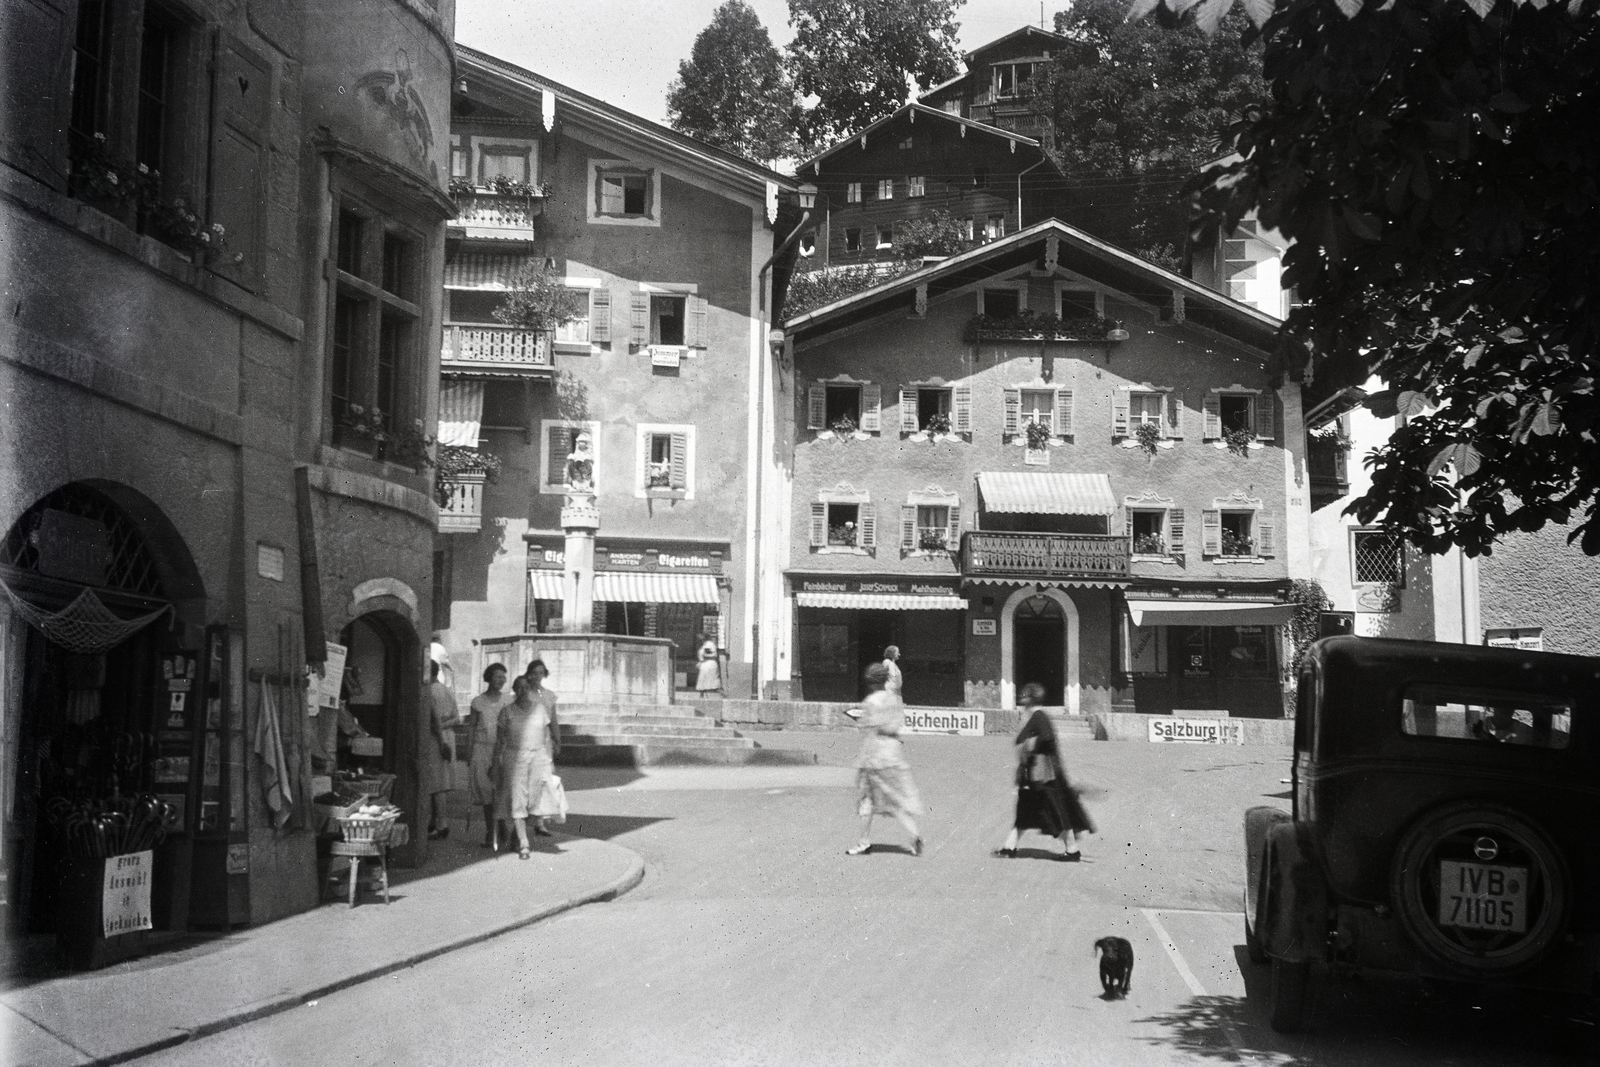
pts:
[125, 895]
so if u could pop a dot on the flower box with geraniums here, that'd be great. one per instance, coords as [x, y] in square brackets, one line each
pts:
[1147, 435]
[845, 428]
[129, 190]
[931, 541]
[1149, 545]
[1036, 326]
[1235, 544]
[938, 426]
[454, 463]
[1036, 435]
[1239, 442]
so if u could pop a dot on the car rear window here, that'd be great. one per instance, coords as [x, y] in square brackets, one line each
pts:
[1487, 716]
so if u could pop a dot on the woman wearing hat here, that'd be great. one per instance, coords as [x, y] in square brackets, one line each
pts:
[1046, 801]
[482, 766]
[883, 777]
[527, 741]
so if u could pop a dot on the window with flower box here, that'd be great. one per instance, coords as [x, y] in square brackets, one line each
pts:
[374, 347]
[845, 406]
[1049, 408]
[1237, 411]
[930, 521]
[936, 409]
[1155, 407]
[844, 520]
[666, 461]
[1238, 529]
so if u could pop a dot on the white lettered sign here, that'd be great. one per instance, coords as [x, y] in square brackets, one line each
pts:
[1197, 731]
[954, 721]
[125, 898]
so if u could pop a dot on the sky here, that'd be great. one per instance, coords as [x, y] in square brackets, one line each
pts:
[626, 51]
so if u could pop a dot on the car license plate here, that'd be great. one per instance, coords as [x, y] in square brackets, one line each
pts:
[1483, 897]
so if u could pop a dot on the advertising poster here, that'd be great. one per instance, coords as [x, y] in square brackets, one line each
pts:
[332, 675]
[125, 897]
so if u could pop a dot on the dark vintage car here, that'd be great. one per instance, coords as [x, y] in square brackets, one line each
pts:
[1446, 801]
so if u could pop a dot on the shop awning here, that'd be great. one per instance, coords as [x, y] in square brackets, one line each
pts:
[1208, 613]
[880, 601]
[483, 270]
[545, 585]
[1030, 493]
[652, 587]
[460, 413]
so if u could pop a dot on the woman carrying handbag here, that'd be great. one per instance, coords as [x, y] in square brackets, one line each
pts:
[1045, 800]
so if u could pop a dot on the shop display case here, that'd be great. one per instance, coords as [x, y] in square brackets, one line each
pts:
[221, 888]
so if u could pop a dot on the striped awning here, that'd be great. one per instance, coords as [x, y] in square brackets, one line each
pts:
[880, 601]
[1208, 613]
[1029, 493]
[460, 413]
[482, 270]
[654, 587]
[545, 585]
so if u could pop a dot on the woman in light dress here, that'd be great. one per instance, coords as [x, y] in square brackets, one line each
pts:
[482, 718]
[883, 777]
[527, 741]
[708, 669]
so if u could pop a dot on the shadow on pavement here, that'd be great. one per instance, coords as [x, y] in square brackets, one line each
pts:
[577, 779]
[1355, 1021]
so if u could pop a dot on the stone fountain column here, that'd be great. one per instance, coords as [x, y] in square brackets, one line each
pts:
[580, 518]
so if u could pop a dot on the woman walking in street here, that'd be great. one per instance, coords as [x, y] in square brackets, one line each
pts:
[883, 777]
[482, 717]
[1045, 800]
[526, 744]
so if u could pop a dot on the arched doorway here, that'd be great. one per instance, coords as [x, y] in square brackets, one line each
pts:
[100, 593]
[1039, 643]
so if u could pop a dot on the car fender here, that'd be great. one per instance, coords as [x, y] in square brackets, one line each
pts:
[1293, 909]
[1257, 821]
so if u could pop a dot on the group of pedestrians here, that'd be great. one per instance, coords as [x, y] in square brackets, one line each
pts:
[512, 742]
[1045, 799]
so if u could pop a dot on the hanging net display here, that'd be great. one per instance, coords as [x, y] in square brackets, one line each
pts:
[86, 625]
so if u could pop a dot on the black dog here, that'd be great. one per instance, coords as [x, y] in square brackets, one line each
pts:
[1116, 964]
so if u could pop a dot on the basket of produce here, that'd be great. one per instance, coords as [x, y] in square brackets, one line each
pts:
[372, 823]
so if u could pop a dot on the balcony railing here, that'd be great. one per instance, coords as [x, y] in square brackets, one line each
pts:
[1032, 556]
[463, 510]
[497, 350]
[497, 213]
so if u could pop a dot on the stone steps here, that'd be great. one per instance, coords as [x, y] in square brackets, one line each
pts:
[640, 735]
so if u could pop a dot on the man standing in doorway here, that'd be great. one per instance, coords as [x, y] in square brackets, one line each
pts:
[890, 656]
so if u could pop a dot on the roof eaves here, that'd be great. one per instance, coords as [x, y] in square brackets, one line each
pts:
[1003, 39]
[708, 154]
[844, 142]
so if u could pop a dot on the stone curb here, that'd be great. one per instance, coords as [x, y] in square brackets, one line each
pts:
[251, 1012]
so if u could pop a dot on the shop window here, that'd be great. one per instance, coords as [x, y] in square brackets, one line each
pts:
[885, 236]
[374, 356]
[1000, 303]
[1378, 557]
[626, 618]
[917, 185]
[852, 193]
[886, 189]
[852, 238]
[666, 461]
[546, 616]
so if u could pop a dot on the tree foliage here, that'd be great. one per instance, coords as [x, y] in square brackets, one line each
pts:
[813, 289]
[859, 58]
[732, 91]
[1136, 111]
[934, 233]
[1436, 166]
[539, 300]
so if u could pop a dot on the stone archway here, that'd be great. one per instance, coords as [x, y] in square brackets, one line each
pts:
[1071, 688]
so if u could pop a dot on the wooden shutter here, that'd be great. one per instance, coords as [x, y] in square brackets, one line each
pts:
[867, 526]
[908, 527]
[1264, 422]
[816, 406]
[36, 55]
[639, 321]
[241, 113]
[1212, 405]
[1211, 532]
[645, 460]
[1174, 415]
[1064, 412]
[680, 460]
[871, 407]
[953, 539]
[600, 315]
[1266, 535]
[961, 420]
[1175, 531]
[694, 330]
[908, 411]
[1013, 417]
[558, 444]
[1119, 417]
[819, 524]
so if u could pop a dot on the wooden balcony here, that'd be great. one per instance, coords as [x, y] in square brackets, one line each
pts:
[497, 352]
[493, 215]
[463, 511]
[1328, 464]
[1035, 556]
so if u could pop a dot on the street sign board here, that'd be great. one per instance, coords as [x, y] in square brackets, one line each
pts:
[1196, 731]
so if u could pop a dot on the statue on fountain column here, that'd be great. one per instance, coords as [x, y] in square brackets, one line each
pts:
[579, 503]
